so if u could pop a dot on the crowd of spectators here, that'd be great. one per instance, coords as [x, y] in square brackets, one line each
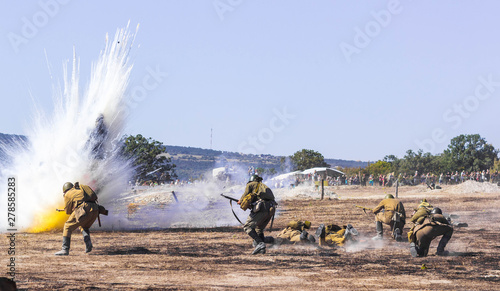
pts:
[449, 178]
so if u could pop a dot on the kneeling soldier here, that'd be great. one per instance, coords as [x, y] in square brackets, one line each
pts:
[390, 211]
[432, 226]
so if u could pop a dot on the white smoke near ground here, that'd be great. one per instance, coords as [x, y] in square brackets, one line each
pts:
[195, 205]
[61, 146]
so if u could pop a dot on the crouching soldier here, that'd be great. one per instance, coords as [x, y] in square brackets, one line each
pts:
[295, 233]
[390, 211]
[431, 227]
[80, 204]
[260, 199]
[335, 235]
[423, 210]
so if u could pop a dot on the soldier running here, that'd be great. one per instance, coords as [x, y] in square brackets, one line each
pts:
[432, 226]
[390, 211]
[80, 204]
[260, 199]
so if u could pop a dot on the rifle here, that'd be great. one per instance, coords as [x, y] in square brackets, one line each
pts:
[364, 208]
[59, 210]
[231, 199]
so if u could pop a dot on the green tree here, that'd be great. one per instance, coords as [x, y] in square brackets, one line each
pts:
[306, 159]
[470, 152]
[147, 156]
[380, 167]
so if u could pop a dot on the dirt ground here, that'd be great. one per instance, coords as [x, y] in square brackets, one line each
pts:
[219, 258]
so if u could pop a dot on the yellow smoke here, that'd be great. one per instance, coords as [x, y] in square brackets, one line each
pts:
[48, 221]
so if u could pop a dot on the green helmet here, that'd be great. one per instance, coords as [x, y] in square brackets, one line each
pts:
[436, 210]
[389, 196]
[255, 178]
[67, 186]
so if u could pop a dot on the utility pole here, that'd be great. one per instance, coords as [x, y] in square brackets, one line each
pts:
[211, 131]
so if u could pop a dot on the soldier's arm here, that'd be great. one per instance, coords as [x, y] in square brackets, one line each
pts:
[378, 208]
[248, 190]
[68, 204]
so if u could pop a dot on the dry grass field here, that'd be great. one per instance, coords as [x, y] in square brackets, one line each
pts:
[219, 258]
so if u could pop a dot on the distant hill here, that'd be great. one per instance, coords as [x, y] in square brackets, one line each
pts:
[194, 162]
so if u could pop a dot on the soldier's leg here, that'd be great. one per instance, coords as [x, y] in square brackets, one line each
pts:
[444, 241]
[380, 230]
[86, 224]
[70, 225]
[249, 227]
[398, 231]
[423, 240]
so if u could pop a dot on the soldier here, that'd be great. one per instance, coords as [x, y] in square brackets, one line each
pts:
[333, 234]
[390, 211]
[80, 204]
[295, 232]
[423, 209]
[432, 226]
[260, 199]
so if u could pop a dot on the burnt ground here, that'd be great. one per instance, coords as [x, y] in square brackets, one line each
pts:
[219, 258]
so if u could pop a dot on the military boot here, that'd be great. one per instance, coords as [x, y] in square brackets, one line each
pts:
[303, 235]
[442, 244]
[414, 250]
[86, 239]
[380, 231]
[320, 232]
[65, 247]
[260, 248]
[397, 235]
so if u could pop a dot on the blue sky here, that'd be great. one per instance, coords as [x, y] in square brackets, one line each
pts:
[351, 81]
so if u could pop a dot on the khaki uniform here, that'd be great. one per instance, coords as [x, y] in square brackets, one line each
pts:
[263, 207]
[80, 205]
[391, 212]
[423, 210]
[292, 232]
[432, 226]
[335, 235]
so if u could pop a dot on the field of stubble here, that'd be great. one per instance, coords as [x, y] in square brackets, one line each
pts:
[219, 258]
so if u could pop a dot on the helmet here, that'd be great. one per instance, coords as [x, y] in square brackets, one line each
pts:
[255, 178]
[307, 224]
[436, 210]
[423, 200]
[67, 186]
[389, 196]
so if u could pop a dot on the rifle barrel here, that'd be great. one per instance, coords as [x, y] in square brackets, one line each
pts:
[230, 198]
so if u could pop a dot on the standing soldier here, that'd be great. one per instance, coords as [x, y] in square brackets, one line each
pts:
[390, 211]
[295, 232]
[80, 204]
[260, 199]
[432, 226]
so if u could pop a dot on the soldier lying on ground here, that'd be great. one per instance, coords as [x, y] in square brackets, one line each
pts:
[390, 211]
[334, 235]
[432, 226]
[295, 232]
